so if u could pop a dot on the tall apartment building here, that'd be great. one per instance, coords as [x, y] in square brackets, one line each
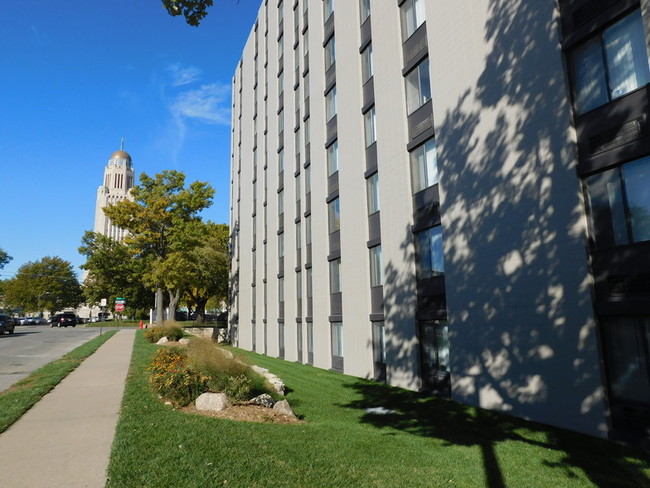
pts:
[453, 197]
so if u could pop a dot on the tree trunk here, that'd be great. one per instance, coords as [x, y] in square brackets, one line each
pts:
[160, 306]
[174, 297]
[200, 308]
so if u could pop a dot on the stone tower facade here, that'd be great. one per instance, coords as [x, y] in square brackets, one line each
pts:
[118, 181]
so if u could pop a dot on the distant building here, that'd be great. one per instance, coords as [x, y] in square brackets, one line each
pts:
[118, 181]
[452, 197]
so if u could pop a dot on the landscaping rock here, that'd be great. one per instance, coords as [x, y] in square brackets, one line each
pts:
[264, 399]
[163, 340]
[283, 407]
[225, 352]
[184, 341]
[277, 384]
[214, 402]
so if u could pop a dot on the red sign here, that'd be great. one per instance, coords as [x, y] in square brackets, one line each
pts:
[119, 307]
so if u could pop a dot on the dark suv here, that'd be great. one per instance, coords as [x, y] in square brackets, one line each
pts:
[6, 324]
[64, 319]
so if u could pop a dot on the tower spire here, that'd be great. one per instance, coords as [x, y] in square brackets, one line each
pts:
[122, 144]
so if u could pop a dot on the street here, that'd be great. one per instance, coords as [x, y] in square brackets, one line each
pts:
[32, 346]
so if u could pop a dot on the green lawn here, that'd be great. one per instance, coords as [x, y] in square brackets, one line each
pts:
[428, 442]
[15, 401]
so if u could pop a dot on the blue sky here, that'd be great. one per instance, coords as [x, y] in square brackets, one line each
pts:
[79, 75]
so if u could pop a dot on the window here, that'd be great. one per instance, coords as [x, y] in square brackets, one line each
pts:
[366, 64]
[379, 342]
[376, 270]
[364, 9]
[308, 230]
[334, 214]
[424, 166]
[611, 64]
[328, 8]
[418, 86]
[305, 43]
[281, 161]
[297, 189]
[308, 180]
[626, 344]
[297, 140]
[333, 158]
[435, 345]
[281, 289]
[330, 55]
[620, 199]
[372, 185]
[298, 236]
[412, 13]
[298, 286]
[309, 289]
[335, 276]
[337, 339]
[370, 127]
[281, 202]
[330, 104]
[281, 122]
[281, 245]
[428, 247]
[281, 47]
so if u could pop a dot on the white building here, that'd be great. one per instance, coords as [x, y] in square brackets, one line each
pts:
[118, 181]
[451, 196]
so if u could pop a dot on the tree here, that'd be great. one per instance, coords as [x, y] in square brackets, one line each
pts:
[49, 284]
[113, 271]
[193, 10]
[4, 258]
[209, 278]
[162, 220]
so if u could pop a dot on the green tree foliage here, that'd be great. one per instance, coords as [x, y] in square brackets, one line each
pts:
[113, 271]
[163, 223]
[49, 284]
[209, 276]
[4, 258]
[193, 10]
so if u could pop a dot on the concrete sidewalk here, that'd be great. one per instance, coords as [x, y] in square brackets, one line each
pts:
[65, 439]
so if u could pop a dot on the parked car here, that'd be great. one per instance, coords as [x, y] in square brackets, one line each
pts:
[6, 324]
[33, 320]
[64, 319]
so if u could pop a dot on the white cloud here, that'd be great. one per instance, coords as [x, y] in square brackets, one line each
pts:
[208, 103]
[183, 75]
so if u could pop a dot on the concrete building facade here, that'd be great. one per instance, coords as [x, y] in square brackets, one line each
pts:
[450, 197]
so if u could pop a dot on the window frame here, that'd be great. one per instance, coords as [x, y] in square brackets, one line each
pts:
[604, 65]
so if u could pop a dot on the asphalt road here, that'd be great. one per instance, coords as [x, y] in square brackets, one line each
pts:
[32, 346]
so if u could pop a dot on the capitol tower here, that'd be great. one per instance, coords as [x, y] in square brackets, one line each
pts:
[118, 181]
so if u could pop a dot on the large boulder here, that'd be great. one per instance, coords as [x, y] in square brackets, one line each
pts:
[212, 402]
[283, 407]
[163, 340]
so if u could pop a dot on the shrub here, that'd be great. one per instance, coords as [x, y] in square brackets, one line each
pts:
[173, 379]
[228, 375]
[171, 331]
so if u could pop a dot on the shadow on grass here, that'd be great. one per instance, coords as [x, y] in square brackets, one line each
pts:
[605, 463]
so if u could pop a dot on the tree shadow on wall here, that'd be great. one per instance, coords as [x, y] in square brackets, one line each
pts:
[518, 288]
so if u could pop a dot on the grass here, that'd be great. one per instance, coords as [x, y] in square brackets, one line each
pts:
[15, 401]
[427, 442]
